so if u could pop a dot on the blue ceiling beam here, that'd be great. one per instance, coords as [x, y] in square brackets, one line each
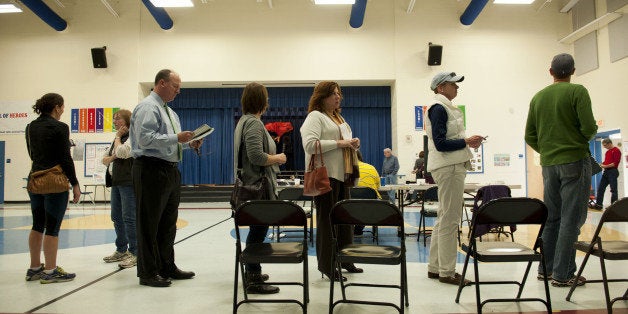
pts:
[46, 14]
[473, 10]
[358, 9]
[160, 15]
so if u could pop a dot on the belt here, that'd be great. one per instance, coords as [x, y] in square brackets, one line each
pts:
[155, 160]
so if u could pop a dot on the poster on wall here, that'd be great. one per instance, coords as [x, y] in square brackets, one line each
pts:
[477, 161]
[418, 118]
[501, 160]
[93, 158]
[15, 115]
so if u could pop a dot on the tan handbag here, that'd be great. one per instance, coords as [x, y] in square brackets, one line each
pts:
[316, 181]
[51, 180]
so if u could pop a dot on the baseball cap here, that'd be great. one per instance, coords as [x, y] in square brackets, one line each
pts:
[443, 77]
[562, 64]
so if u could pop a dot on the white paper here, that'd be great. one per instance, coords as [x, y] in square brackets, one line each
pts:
[201, 132]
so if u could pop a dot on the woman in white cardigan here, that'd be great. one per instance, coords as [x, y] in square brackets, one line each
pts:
[325, 124]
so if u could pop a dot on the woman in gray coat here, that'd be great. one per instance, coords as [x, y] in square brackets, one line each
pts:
[257, 151]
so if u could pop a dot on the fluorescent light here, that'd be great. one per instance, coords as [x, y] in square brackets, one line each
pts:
[9, 8]
[172, 3]
[334, 1]
[513, 1]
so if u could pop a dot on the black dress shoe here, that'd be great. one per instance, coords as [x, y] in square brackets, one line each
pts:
[155, 281]
[262, 289]
[352, 269]
[335, 277]
[256, 277]
[179, 274]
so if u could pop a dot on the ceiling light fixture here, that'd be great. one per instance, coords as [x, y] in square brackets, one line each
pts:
[9, 8]
[172, 3]
[513, 1]
[334, 1]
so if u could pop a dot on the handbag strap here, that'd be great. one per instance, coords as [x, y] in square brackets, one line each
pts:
[239, 170]
[318, 151]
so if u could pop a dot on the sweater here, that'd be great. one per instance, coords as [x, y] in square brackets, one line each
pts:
[560, 123]
[318, 126]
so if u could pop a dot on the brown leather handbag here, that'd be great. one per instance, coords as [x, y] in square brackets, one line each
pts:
[316, 181]
[47, 181]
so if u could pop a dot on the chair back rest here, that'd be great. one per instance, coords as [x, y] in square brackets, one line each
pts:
[490, 192]
[362, 192]
[366, 212]
[511, 210]
[270, 213]
[293, 194]
[617, 212]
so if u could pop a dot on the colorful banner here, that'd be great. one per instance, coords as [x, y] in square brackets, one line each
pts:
[418, 118]
[74, 121]
[99, 120]
[91, 120]
[83, 120]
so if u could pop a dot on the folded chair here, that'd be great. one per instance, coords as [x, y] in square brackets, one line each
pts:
[295, 194]
[506, 211]
[370, 213]
[270, 213]
[366, 193]
[429, 196]
[606, 250]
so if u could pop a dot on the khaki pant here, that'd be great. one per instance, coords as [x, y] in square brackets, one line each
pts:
[443, 246]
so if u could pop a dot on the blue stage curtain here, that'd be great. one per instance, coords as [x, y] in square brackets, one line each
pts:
[366, 109]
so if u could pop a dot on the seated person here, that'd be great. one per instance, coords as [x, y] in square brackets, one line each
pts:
[368, 178]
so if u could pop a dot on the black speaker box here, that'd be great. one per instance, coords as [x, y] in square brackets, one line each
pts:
[99, 58]
[434, 55]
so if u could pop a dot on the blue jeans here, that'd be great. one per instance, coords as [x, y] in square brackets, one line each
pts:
[123, 217]
[391, 179]
[609, 176]
[566, 194]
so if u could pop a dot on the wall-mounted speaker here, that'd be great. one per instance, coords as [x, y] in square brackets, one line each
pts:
[99, 58]
[434, 54]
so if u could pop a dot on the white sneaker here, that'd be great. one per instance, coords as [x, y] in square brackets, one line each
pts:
[129, 262]
[116, 257]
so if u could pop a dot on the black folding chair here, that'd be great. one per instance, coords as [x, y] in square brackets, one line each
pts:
[370, 213]
[366, 193]
[605, 250]
[295, 194]
[506, 211]
[429, 196]
[270, 213]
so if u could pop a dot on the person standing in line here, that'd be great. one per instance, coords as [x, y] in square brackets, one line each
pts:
[559, 126]
[118, 176]
[612, 158]
[418, 170]
[48, 144]
[449, 160]
[390, 167]
[324, 124]
[368, 178]
[157, 143]
[258, 156]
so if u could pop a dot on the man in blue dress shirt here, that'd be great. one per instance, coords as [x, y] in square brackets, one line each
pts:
[157, 141]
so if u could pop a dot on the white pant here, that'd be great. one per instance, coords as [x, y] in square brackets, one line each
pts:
[443, 246]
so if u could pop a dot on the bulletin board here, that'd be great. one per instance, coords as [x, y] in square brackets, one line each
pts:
[477, 161]
[93, 158]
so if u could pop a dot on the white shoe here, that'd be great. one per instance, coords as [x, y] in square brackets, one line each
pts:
[129, 262]
[116, 257]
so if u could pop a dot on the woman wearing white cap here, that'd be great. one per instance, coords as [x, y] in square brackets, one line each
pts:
[448, 162]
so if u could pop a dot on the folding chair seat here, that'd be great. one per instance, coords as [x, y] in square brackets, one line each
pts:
[605, 250]
[366, 193]
[295, 194]
[506, 211]
[370, 213]
[270, 213]
[483, 195]
[428, 210]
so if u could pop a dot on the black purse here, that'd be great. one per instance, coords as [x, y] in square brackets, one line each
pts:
[258, 190]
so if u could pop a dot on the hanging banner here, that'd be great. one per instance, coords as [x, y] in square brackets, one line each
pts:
[15, 115]
[418, 118]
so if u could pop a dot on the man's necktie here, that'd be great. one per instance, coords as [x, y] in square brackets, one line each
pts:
[179, 148]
